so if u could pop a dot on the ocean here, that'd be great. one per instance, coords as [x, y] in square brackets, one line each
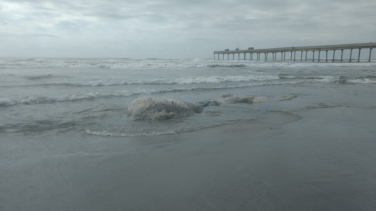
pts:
[92, 95]
[268, 135]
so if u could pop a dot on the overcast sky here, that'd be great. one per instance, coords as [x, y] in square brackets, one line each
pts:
[177, 28]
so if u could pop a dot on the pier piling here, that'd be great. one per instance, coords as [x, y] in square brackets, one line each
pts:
[341, 54]
[359, 55]
[319, 56]
[370, 52]
[326, 56]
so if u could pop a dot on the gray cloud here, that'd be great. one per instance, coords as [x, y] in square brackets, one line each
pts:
[163, 28]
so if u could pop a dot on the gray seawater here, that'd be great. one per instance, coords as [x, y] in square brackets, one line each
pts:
[91, 96]
[66, 142]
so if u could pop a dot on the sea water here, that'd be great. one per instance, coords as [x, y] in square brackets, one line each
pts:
[156, 134]
[91, 96]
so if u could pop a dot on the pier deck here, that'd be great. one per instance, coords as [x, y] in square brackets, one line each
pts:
[293, 50]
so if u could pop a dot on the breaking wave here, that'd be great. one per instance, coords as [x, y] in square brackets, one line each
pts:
[161, 109]
[125, 93]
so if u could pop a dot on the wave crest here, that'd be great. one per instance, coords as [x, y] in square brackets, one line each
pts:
[161, 109]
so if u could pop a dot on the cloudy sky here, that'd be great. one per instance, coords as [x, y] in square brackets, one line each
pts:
[177, 28]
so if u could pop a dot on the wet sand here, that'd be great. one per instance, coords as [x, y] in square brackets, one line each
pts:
[317, 152]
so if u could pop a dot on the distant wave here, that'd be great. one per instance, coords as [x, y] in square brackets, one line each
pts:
[285, 76]
[335, 79]
[39, 77]
[361, 81]
[14, 63]
[32, 100]
[165, 81]
[227, 65]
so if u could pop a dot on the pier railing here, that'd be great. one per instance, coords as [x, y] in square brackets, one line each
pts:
[292, 50]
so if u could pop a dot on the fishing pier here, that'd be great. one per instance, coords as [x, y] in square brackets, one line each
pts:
[281, 52]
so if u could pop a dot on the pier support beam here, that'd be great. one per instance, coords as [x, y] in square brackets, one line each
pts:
[370, 53]
[359, 55]
[341, 55]
[326, 56]
[294, 55]
[244, 56]
[306, 56]
[350, 54]
[334, 53]
[281, 56]
[284, 55]
[301, 55]
[291, 56]
[313, 57]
